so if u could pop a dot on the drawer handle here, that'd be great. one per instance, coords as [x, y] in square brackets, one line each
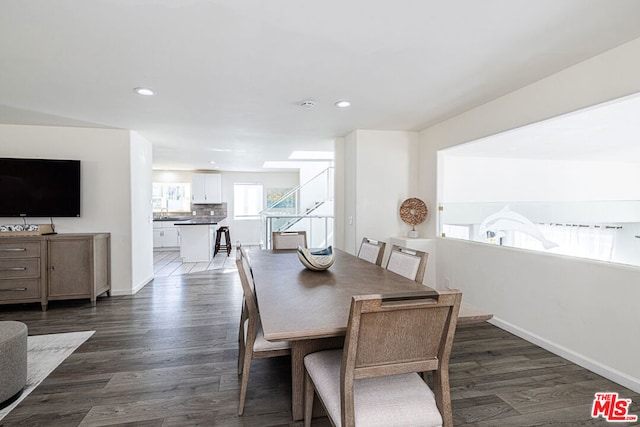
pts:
[13, 289]
[13, 268]
[13, 249]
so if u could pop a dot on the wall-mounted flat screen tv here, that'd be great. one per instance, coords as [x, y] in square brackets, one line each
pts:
[39, 187]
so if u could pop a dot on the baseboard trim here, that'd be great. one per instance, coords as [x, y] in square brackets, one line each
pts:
[142, 284]
[608, 372]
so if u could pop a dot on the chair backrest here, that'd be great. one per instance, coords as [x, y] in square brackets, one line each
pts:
[288, 239]
[371, 250]
[408, 263]
[401, 333]
[248, 288]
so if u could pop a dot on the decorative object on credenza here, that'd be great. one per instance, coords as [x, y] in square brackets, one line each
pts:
[25, 229]
[413, 212]
[19, 227]
[316, 260]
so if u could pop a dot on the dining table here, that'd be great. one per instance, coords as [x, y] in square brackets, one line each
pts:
[310, 309]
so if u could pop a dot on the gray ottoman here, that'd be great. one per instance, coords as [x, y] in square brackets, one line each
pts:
[13, 359]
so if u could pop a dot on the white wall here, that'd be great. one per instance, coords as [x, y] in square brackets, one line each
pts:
[339, 193]
[348, 182]
[585, 311]
[481, 179]
[578, 308]
[171, 176]
[106, 180]
[141, 211]
[380, 173]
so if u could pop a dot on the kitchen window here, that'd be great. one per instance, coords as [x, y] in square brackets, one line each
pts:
[248, 201]
[171, 197]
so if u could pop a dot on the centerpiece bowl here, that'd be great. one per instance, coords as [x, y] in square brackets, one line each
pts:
[317, 260]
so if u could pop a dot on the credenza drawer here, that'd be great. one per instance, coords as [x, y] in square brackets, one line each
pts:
[28, 268]
[21, 249]
[19, 289]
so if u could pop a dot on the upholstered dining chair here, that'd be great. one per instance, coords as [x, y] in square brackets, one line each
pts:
[408, 263]
[288, 239]
[375, 379]
[252, 344]
[371, 250]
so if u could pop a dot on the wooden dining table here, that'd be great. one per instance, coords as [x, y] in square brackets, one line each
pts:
[311, 308]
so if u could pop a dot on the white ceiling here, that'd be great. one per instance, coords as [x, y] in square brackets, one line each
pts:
[230, 75]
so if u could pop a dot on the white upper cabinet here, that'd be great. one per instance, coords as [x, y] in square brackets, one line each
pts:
[206, 188]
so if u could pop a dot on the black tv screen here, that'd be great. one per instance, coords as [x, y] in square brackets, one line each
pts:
[39, 187]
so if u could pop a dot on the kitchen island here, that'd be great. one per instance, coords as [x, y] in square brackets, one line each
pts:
[197, 237]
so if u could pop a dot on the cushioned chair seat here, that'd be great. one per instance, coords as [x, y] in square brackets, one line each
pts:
[373, 408]
[13, 359]
[261, 344]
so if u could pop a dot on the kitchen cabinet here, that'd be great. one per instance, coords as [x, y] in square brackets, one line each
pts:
[197, 243]
[197, 238]
[165, 235]
[206, 188]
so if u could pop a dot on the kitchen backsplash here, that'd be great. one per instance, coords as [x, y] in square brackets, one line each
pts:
[219, 209]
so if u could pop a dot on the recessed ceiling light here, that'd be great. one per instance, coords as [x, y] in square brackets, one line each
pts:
[343, 104]
[212, 162]
[144, 91]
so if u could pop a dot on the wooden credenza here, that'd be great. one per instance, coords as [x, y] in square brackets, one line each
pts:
[23, 270]
[56, 267]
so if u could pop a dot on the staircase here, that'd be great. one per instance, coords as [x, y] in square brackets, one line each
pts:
[308, 207]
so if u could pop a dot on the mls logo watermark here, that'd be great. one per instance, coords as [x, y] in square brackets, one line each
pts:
[611, 408]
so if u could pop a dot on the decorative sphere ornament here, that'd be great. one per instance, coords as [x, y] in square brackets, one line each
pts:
[413, 212]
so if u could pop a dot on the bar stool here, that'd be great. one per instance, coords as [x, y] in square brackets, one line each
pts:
[227, 241]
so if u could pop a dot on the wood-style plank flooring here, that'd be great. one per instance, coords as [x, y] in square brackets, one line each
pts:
[167, 356]
[169, 263]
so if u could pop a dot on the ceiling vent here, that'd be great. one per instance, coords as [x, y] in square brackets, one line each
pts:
[307, 105]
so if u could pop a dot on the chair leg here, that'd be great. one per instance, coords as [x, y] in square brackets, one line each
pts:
[245, 380]
[309, 393]
[442, 394]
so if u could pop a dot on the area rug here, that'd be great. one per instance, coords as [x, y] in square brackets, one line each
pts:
[44, 354]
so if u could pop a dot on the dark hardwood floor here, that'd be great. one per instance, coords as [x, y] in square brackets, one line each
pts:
[167, 357]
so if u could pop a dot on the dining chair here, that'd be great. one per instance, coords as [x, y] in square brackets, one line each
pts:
[288, 239]
[243, 317]
[408, 263]
[375, 379]
[371, 250]
[252, 344]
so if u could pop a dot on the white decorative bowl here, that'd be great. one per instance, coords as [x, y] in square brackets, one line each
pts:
[316, 260]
